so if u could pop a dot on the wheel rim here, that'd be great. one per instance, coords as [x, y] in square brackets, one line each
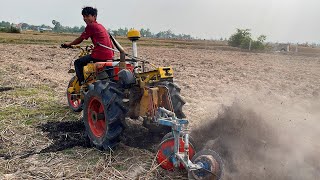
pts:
[210, 162]
[74, 103]
[96, 119]
[165, 153]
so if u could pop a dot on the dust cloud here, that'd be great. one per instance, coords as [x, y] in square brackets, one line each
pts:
[272, 141]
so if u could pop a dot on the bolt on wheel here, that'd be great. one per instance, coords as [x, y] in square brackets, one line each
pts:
[211, 164]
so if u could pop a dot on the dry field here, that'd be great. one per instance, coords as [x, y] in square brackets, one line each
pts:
[264, 108]
[31, 37]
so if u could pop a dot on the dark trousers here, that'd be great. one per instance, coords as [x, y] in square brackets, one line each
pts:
[80, 63]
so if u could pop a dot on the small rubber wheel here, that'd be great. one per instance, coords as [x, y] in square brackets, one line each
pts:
[165, 153]
[211, 163]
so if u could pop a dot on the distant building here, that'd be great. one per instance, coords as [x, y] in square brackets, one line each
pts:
[44, 29]
[281, 47]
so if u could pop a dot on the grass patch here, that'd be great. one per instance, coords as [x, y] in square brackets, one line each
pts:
[93, 160]
[68, 152]
[23, 92]
[120, 167]
[34, 104]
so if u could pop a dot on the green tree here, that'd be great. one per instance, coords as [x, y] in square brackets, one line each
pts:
[24, 26]
[57, 26]
[75, 29]
[262, 38]
[81, 29]
[145, 32]
[245, 43]
[5, 24]
[240, 38]
[14, 30]
[259, 44]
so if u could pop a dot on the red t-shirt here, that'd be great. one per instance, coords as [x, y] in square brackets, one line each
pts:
[98, 33]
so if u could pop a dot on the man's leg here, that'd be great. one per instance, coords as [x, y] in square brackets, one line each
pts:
[79, 64]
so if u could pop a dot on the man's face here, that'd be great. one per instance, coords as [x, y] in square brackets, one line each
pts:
[89, 18]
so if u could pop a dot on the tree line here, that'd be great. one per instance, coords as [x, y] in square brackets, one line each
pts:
[147, 33]
[59, 28]
[123, 32]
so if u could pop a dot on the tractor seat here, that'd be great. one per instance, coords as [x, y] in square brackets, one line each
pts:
[100, 66]
[111, 68]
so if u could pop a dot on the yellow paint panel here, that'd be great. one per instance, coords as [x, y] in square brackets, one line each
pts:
[70, 90]
[166, 72]
[88, 69]
[144, 102]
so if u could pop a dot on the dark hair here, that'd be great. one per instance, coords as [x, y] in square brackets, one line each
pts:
[86, 11]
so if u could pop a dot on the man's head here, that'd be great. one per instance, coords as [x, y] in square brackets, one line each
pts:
[89, 14]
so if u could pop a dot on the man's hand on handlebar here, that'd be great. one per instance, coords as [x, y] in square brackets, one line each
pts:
[65, 46]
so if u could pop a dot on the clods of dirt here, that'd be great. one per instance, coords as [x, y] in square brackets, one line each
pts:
[65, 135]
[5, 89]
[136, 135]
[69, 134]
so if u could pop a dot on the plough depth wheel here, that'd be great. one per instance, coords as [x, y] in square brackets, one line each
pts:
[211, 163]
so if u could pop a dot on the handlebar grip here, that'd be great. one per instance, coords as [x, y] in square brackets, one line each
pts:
[71, 46]
[65, 46]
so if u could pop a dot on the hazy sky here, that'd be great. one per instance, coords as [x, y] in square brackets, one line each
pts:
[280, 20]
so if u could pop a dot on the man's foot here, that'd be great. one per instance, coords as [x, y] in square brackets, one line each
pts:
[84, 87]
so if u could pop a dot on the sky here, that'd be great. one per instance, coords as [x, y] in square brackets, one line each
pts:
[280, 20]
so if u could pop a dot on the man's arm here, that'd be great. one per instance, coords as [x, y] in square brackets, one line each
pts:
[75, 42]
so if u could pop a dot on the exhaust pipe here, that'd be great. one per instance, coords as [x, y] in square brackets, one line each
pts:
[122, 64]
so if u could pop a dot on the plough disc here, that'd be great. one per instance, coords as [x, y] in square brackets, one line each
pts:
[166, 153]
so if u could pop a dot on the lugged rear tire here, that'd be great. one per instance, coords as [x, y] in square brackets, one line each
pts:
[103, 114]
[177, 104]
[177, 100]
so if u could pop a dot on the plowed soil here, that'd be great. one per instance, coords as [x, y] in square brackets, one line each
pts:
[259, 111]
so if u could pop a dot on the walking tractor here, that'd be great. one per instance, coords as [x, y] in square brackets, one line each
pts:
[121, 88]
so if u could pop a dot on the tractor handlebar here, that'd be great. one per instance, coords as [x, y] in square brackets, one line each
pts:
[86, 48]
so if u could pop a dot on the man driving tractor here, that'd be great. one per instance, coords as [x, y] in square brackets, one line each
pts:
[113, 91]
[98, 34]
